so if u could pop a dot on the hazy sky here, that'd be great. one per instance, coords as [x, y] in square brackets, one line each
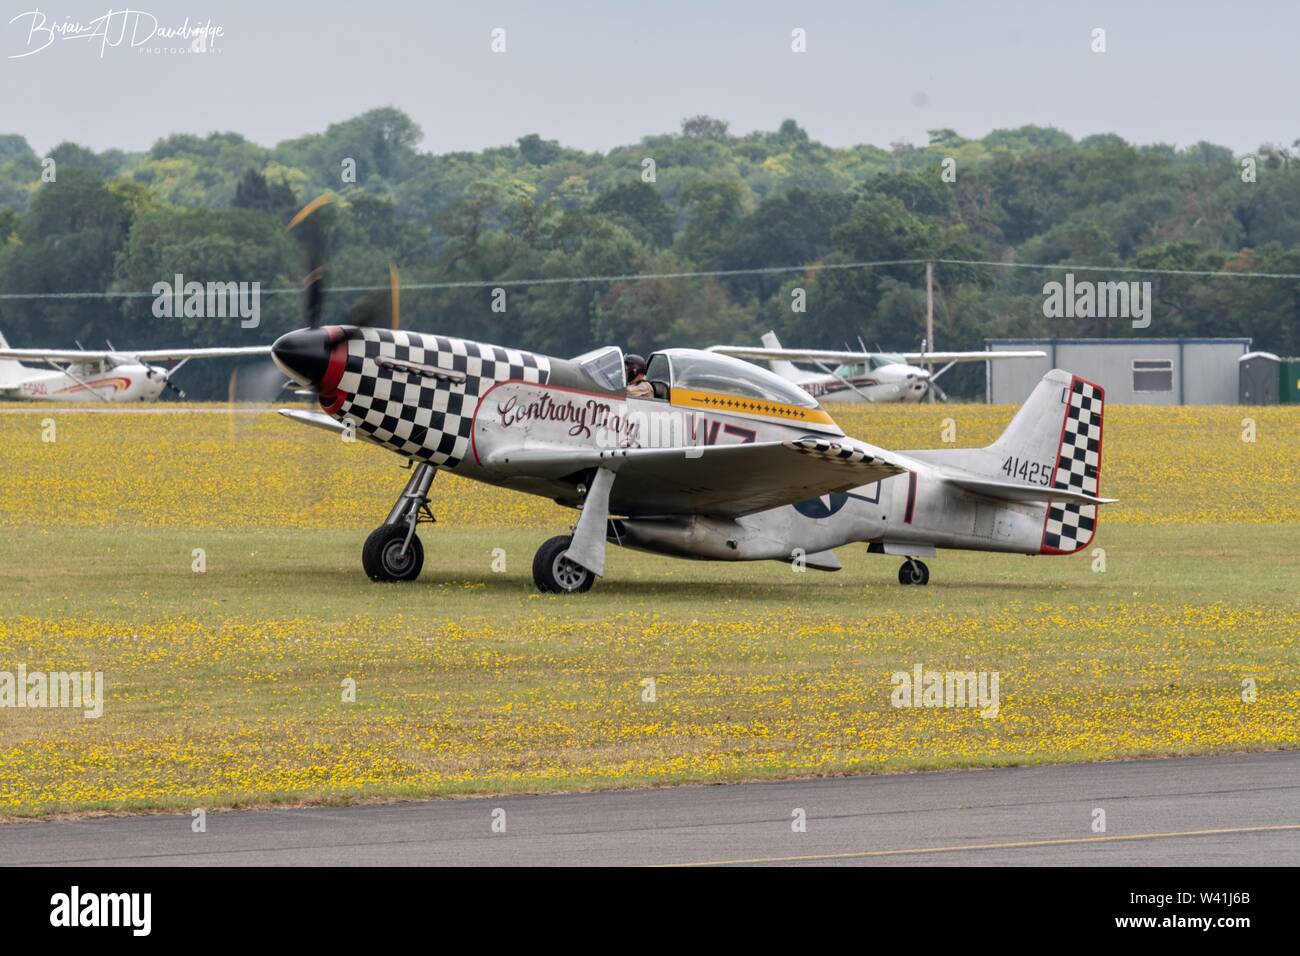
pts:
[597, 75]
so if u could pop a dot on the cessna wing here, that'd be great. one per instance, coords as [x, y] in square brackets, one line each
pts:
[759, 353]
[935, 358]
[154, 355]
[722, 480]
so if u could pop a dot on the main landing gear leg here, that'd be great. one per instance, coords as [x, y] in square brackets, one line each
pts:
[570, 564]
[913, 572]
[393, 551]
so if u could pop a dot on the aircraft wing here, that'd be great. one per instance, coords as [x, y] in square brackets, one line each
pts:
[762, 354]
[148, 355]
[935, 358]
[723, 480]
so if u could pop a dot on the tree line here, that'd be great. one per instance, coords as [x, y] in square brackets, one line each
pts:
[702, 199]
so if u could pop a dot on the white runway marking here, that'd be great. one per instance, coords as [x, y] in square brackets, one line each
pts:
[1015, 845]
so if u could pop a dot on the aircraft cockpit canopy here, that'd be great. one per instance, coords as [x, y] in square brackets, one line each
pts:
[696, 370]
[878, 360]
[881, 359]
[605, 366]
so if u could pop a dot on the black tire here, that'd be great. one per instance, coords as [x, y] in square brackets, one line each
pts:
[379, 555]
[914, 572]
[555, 574]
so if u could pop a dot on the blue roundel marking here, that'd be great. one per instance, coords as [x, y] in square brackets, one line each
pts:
[818, 507]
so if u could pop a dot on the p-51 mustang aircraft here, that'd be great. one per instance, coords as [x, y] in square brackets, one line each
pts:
[863, 376]
[108, 376]
[722, 461]
[726, 462]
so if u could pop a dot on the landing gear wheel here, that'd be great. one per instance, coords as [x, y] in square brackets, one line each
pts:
[382, 556]
[553, 573]
[913, 572]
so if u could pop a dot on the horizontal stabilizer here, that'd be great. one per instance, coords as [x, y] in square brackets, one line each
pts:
[1015, 491]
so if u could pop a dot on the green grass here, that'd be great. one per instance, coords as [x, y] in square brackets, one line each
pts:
[224, 687]
[122, 575]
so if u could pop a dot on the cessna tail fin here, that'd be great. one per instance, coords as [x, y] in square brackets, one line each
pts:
[12, 372]
[786, 370]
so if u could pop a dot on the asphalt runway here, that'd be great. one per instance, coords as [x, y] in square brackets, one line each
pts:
[1217, 811]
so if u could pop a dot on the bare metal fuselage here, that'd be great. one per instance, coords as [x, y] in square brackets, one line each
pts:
[909, 514]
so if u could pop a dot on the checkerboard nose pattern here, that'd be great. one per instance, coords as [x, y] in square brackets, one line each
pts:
[421, 416]
[1070, 527]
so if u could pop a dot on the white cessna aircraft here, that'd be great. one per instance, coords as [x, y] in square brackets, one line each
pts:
[862, 376]
[109, 376]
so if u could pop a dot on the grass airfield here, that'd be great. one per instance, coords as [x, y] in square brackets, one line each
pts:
[225, 688]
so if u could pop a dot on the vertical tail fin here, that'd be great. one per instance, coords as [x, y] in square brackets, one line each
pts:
[12, 372]
[786, 370]
[1061, 424]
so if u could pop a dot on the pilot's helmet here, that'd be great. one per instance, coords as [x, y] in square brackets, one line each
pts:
[634, 365]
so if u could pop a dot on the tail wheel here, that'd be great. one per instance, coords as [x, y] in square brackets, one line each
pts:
[553, 573]
[386, 556]
[913, 572]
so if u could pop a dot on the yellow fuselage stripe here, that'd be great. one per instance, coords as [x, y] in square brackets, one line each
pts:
[742, 405]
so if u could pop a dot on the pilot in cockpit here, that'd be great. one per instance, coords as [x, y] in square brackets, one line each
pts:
[634, 369]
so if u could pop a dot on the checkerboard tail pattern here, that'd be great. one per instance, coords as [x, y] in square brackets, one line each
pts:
[1070, 527]
[419, 416]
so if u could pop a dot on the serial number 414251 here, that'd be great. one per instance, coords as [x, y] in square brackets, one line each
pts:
[1030, 472]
